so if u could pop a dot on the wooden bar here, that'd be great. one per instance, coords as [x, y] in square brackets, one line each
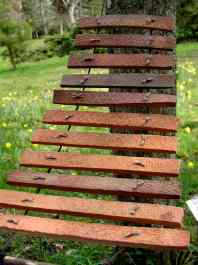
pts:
[108, 99]
[97, 185]
[142, 143]
[104, 163]
[119, 81]
[124, 41]
[126, 236]
[137, 61]
[168, 216]
[156, 122]
[128, 21]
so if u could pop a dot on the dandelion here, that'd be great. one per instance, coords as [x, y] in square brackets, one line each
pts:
[29, 130]
[8, 145]
[190, 164]
[35, 145]
[4, 125]
[187, 130]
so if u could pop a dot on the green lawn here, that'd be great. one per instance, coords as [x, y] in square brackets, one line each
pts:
[25, 94]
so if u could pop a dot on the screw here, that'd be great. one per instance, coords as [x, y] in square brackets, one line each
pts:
[12, 221]
[50, 157]
[39, 178]
[139, 163]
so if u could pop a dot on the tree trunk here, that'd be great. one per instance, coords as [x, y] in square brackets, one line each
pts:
[150, 7]
[12, 57]
[43, 17]
[61, 24]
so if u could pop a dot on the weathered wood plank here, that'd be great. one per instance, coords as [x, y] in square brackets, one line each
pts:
[108, 99]
[142, 143]
[127, 236]
[152, 61]
[124, 41]
[119, 81]
[156, 122]
[104, 163]
[134, 21]
[168, 216]
[97, 185]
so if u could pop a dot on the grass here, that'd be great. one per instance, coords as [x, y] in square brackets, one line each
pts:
[25, 95]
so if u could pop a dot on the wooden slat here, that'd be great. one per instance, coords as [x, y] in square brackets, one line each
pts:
[113, 120]
[119, 81]
[124, 41]
[97, 185]
[104, 163]
[141, 237]
[134, 21]
[108, 99]
[168, 216]
[145, 143]
[154, 61]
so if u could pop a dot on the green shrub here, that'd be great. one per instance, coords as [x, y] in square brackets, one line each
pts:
[187, 20]
[61, 45]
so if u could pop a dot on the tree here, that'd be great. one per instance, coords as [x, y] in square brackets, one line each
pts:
[187, 19]
[13, 31]
[67, 10]
[150, 7]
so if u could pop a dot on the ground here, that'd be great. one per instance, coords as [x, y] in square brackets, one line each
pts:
[25, 94]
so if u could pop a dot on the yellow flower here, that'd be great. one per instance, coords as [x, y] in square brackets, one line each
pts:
[35, 145]
[8, 145]
[191, 164]
[4, 125]
[29, 130]
[187, 130]
[25, 125]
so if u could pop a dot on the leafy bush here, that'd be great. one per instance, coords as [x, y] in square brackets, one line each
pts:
[13, 34]
[187, 20]
[61, 45]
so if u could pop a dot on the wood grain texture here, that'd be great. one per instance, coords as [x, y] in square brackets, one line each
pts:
[137, 61]
[127, 236]
[104, 163]
[168, 216]
[128, 21]
[110, 99]
[97, 185]
[145, 143]
[129, 80]
[155, 122]
[124, 41]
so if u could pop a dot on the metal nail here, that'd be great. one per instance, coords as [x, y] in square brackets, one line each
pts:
[50, 157]
[150, 20]
[87, 59]
[147, 119]
[143, 140]
[77, 95]
[12, 221]
[61, 135]
[139, 163]
[39, 178]
[148, 80]
[27, 200]
[139, 184]
[147, 96]
[68, 117]
[133, 212]
[94, 40]
[132, 234]
[84, 80]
